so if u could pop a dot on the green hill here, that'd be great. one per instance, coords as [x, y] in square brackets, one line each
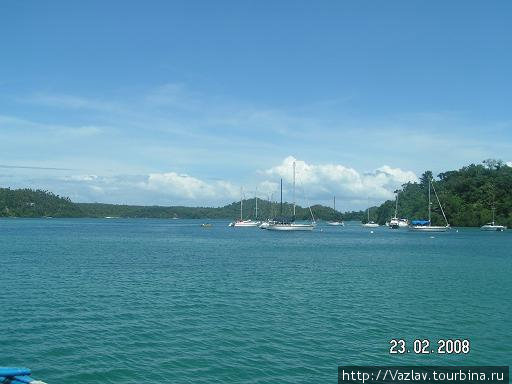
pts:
[467, 195]
[36, 203]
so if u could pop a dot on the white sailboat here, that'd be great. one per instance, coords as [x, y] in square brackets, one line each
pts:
[370, 224]
[335, 222]
[284, 224]
[492, 226]
[426, 225]
[241, 222]
[395, 222]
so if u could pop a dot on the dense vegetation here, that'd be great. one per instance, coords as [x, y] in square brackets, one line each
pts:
[230, 211]
[30, 203]
[37, 203]
[467, 195]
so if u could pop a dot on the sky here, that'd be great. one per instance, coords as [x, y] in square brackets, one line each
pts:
[187, 102]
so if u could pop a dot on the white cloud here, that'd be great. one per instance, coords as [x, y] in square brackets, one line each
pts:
[509, 163]
[188, 187]
[316, 183]
[322, 180]
[81, 177]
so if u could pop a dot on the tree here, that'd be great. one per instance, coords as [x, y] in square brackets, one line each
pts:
[425, 178]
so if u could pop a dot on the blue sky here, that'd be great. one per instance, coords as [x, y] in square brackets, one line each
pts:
[184, 102]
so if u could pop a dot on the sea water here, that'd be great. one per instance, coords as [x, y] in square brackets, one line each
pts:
[161, 301]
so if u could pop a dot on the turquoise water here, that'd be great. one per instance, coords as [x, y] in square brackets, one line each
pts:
[130, 301]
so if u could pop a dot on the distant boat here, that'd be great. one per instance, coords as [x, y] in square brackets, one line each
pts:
[370, 224]
[492, 226]
[335, 222]
[244, 223]
[286, 224]
[206, 225]
[395, 222]
[426, 225]
[241, 222]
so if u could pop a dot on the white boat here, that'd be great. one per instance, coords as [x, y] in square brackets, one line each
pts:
[284, 224]
[492, 226]
[335, 222]
[291, 227]
[370, 224]
[245, 223]
[426, 225]
[395, 222]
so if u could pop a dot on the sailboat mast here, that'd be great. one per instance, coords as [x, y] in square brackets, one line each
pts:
[241, 203]
[294, 190]
[429, 204]
[440, 206]
[281, 208]
[334, 204]
[396, 205]
[256, 200]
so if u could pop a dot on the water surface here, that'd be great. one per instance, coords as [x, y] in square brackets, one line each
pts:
[124, 300]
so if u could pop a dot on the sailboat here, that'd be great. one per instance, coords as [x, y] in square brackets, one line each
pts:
[245, 223]
[335, 222]
[370, 224]
[395, 222]
[426, 225]
[492, 226]
[285, 224]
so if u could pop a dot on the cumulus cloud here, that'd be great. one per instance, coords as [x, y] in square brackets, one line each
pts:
[316, 183]
[168, 188]
[509, 163]
[188, 187]
[322, 180]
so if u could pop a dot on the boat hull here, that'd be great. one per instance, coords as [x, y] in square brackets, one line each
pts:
[291, 227]
[370, 225]
[433, 228]
[493, 228]
[336, 223]
[245, 223]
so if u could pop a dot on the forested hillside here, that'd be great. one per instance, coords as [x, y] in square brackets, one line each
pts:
[468, 196]
[36, 203]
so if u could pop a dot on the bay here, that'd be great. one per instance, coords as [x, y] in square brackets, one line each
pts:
[136, 300]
